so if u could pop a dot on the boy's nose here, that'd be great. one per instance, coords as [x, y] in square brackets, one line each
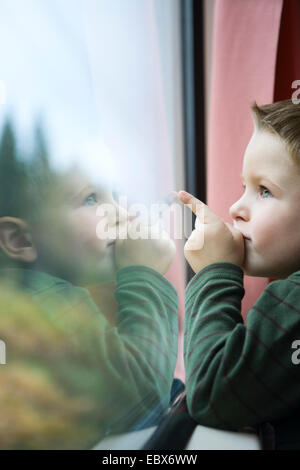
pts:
[123, 216]
[239, 210]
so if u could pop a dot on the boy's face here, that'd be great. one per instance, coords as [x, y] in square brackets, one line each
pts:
[268, 213]
[67, 238]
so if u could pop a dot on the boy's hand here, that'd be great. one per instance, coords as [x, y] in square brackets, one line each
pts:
[212, 240]
[157, 252]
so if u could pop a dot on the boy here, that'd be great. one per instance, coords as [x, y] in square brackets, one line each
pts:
[243, 375]
[70, 376]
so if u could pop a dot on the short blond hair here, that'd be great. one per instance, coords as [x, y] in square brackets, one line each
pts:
[281, 118]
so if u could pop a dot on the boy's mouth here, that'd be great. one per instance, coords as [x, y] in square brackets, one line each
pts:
[245, 237]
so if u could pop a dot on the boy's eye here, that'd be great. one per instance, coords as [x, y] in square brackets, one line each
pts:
[265, 192]
[91, 200]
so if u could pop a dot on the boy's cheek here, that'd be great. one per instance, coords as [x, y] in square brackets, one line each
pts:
[79, 231]
[263, 228]
[82, 225]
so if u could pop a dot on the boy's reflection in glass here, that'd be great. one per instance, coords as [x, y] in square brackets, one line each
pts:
[74, 374]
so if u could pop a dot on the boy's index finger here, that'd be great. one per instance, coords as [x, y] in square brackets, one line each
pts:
[194, 204]
[201, 210]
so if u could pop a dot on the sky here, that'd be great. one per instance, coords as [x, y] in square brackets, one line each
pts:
[98, 73]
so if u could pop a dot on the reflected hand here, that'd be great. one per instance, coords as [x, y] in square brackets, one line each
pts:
[156, 250]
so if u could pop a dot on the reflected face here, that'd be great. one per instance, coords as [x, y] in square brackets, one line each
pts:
[74, 234]
[268, 213]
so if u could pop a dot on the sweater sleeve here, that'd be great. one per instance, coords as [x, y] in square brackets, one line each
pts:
[132, 363]
[240, 375]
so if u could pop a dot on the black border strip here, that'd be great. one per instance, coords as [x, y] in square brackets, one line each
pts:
[192, 44]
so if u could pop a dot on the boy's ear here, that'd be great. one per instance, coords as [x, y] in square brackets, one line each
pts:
[16, 241]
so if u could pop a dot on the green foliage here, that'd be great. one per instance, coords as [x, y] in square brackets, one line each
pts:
[23, 181]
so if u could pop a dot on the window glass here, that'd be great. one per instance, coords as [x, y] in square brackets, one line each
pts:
[90, 139]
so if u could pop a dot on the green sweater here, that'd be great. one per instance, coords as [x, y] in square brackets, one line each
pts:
[241, 375]
[127, 368]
